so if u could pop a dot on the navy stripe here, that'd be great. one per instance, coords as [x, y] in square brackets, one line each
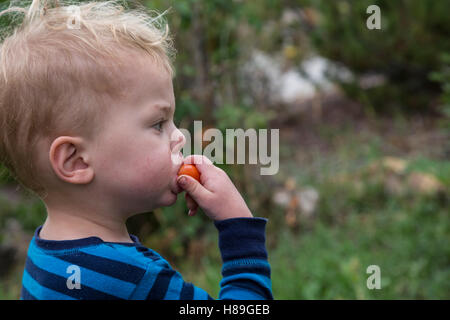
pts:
[237, 231]
[150, 255]
[159, 289]
[59, 284]
[116, 269]
[210, 298]
[187, 292]
[253, 287]
[26, 295]
[71, 244]
[257, 269]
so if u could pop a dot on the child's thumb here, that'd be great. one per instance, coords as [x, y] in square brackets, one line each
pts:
[193, 188]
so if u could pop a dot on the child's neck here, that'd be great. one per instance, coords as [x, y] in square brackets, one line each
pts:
[62, 226]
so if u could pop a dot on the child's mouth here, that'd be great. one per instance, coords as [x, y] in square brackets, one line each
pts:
[176, 189]
[177, 160]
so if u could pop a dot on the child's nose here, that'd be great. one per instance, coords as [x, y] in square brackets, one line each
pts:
[177, 141]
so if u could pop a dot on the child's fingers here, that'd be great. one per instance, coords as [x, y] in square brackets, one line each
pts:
[195, 190]
[191, 204]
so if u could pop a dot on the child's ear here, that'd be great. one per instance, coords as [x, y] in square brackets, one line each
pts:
[69, 160]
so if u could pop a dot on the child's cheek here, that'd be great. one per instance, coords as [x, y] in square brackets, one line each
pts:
[157, 168]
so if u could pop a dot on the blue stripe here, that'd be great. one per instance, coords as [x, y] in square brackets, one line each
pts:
[25, 294]
[112, 268]
[94, 280]
[159, 289]
[147, 282]
[258, 283]
[122, 254]
[238, 292]
[200, 294]
[59, 284]
[39, 291]
[253, 290]
[174, 289]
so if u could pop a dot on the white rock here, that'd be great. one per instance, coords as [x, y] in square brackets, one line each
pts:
[308, 199]
[294, 84]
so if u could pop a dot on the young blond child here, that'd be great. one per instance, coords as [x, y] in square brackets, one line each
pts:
[86, 112]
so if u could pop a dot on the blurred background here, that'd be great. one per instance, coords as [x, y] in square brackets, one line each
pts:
[364, 126]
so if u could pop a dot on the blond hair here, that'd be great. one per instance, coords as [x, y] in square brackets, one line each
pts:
[60, 69]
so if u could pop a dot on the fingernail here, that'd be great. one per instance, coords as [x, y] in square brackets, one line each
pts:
[182, 181]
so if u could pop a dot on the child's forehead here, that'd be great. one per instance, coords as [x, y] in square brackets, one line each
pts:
[146, 70]
[145, 78]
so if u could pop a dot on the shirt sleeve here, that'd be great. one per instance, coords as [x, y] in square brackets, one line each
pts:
[245, 269]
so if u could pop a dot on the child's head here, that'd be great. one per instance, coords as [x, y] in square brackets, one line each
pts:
[79, 90]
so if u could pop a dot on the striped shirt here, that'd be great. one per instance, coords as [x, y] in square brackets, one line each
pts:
[90, 268]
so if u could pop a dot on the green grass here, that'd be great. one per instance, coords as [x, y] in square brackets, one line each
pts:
[440, 169]
[408, 240]
[330, 262]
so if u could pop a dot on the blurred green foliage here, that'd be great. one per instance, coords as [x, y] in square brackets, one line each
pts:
[442, 76]
[211, 51]
[413, 35]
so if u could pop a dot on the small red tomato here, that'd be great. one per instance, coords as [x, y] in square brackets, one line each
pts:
[189, 170]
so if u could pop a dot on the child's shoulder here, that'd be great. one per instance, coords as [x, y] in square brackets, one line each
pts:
[98, 269]
[93, 251]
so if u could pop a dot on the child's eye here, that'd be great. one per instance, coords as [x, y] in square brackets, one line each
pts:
[159, 125]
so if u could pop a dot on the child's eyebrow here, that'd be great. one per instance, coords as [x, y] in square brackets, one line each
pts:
[156, 109]
[164, 108]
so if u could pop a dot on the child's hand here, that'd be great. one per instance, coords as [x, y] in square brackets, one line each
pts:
[216, 195]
